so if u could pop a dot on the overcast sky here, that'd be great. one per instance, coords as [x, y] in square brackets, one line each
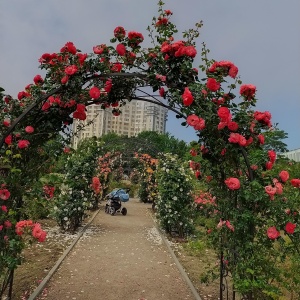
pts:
[261, 37]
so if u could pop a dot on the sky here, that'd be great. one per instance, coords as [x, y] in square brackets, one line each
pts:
[262, 38]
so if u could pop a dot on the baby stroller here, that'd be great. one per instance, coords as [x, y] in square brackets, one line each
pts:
[114, 201]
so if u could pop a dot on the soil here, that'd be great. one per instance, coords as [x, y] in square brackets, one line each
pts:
[117, 257]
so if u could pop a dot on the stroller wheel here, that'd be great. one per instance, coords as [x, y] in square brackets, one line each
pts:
[112, 211]
[124, 211]
[106, 209]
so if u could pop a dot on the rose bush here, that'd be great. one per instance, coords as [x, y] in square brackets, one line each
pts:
[175, 204]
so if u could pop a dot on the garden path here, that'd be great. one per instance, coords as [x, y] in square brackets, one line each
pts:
[121, 257]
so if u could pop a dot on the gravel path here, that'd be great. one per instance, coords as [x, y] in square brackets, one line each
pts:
[120, 257]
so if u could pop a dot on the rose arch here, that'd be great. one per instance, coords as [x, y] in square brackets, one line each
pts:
[251, 228]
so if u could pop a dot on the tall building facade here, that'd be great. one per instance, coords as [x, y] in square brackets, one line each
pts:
[136, 116]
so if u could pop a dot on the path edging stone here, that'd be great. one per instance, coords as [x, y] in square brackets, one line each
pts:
[45, 281]
[178, 264]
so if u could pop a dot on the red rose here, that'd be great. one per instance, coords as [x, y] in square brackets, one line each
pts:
[193, 152]
[284, 175]
[4, 194]
[261, 139]
[272, 155]
[190, 51]
[29, 129]
[6, 122]
[82, 57]
[237, 138]
[94, 92]
[213, 85]
[23, 144]
[200, 125]
[64, 80]
[108, 86]
[121, 49]
[263, 117]
[233, 126]
[187, 97]
[99, 49]
[119, 32]
[116, 67]
[197, 174]
[290, 227]
[165, 47]
[70, 70]
[295, 182]
[162, 92]
[272, 233]
[269, 165]
[135, 37]
[80, 115]
[232, 183]
[247, 90]
[8, 140]
[67, 150]
[69, 47]
[224, 113]
[38, 79]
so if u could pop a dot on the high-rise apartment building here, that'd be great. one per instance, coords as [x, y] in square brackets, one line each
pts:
[136, 116]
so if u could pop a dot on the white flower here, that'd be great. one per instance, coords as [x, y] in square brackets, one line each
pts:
[65, 218]
[175, 198]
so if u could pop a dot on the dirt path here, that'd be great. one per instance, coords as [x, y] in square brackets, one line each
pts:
[120, 257]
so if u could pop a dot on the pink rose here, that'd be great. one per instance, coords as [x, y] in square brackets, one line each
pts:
[271, 191]
[200, 125]
[192, 120]
[229, 226]
[272, 233]
[232, 183]
[29, 129]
